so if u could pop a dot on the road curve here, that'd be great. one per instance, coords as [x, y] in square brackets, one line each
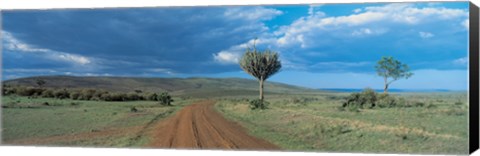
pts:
[199, 126]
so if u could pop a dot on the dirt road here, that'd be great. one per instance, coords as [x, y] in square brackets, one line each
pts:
[200, 126]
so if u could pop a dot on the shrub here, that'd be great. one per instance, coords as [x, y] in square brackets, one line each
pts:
[118, 97]
[133, 109]
[369, 96]
[98, 95]
[133, 96]
[386, 101]
[152, 97]
[61, 94]
[258, 104]
[48, 93]
[28, 91]
[366, 98]
[87, 94]
[8, 90]
[165, 99]
[74, 95]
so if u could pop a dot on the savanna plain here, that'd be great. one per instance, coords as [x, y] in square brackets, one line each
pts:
[297, 119]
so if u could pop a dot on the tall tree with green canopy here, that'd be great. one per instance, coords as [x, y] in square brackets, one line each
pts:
[260, 64]
[392, 70]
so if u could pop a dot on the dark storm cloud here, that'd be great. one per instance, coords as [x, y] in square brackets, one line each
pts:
[130, 41]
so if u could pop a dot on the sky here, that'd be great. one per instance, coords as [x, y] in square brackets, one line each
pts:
[320, 46]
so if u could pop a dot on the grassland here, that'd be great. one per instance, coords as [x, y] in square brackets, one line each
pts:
[298, 119]
[315, 123]
[80, 123]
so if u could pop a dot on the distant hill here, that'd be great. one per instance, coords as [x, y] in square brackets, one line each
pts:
[179, 86]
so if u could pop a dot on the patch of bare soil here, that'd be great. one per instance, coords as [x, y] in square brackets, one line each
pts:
[199, 126]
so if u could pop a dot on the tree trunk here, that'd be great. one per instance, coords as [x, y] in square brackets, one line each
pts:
[261, 89]
[385, 88]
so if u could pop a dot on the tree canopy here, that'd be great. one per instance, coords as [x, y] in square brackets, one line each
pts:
[392, 70]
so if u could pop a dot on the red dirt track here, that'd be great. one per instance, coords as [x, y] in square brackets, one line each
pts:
[200, 126]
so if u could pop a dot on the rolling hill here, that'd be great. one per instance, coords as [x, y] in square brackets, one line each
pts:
[179, 86]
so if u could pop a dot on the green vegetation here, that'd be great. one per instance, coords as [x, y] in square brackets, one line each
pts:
[368, 98]
[194, 87]
[297, 118]
[165, 99]
[315, 123]
[49, 121]
[261, 65]
[388, 67]
[86, 94]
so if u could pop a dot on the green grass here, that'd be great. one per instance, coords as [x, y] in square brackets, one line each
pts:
[314, 123]
[30, 119]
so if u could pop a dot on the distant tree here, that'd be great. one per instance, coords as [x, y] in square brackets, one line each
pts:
[40, 82]
[165, 99]
[138, 91]
[260, 64]
[391, 70]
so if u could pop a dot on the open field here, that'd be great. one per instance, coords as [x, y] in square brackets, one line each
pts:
[297, 119]
[315, 123]
[81, 123]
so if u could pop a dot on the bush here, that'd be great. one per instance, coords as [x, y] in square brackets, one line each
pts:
[386, 101]
[28, 91]
[74, 95]
[152, 97]
[165, 99]
[86, 94]
[258, 104]
[118, 97]
[98, 95]
[133, 109]
[133, 97]
[61, 94]
[8, 90]
[366, 98]
[48, 93]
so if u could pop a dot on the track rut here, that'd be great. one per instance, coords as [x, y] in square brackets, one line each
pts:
[199, 126]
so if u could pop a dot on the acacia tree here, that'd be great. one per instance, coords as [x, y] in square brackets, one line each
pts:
[391, 70]
[260, 64]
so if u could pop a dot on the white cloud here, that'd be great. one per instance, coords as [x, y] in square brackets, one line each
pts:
[234, 53]
[227, 57]
[11, 43]
[161, 70]
[408, 13]
[357, 10]
[461, 61]
[425, 35]
[312, 10]
[14, 44]
[465, 23]
[252, 13]
[322, 30]
[71, 57]
[368, 31]
[364, 31]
